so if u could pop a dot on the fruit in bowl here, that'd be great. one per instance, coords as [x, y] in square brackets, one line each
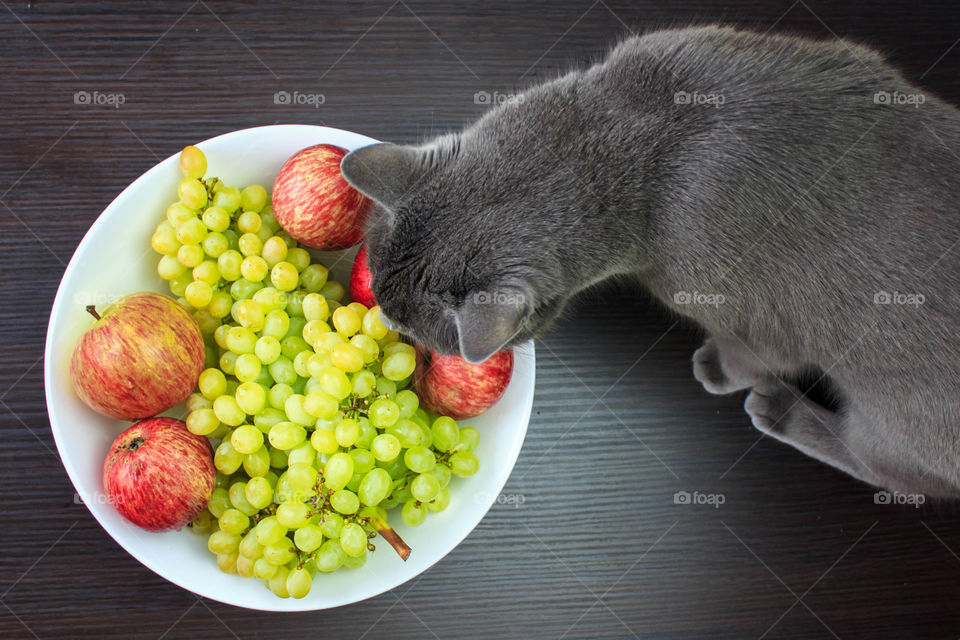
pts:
[449, 385]
[142, 356]
[110, 258]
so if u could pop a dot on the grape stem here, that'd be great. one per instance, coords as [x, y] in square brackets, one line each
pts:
[392, 537]
[92, 310]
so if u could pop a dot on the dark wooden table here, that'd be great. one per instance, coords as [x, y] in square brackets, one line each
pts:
[598, 548]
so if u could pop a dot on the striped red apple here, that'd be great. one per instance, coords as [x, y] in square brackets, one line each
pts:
[361, 280]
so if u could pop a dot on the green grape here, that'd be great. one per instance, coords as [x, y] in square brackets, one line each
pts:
[228, 411]
[302, 454]
[247, 368]
[207, 323]
[301, 477]
[169, 268]
[164, 241]
[278, 458]
[372, 325]
[220, 304]
[241, 340]
[178, 213]
[286, 435]
[345, 501]
[408, 402]
[284, 276]
[413, 514]
[299, 583]
[386, 387]
[355, 480]
[398, 347]
[202, 422]
[229, 264]
[245, 566]
[276, 324]
[269, 531]
[441, 501]
[295, 328]
[250, 245]
[446, 434]
[250, 396]
[227, 562]
[202, 524]
[278, 583]
[375, 486]
[250, 547]
[197, 401]
[293, 406]
[313, 329]
[274, 250]
[320, 404]
[233, 239]
[407, 432]
[278, 395]
[363, 460]
[312, 278]
[193, 163]
[219, 502]
[332, 290]
[367, 434]
[246, 439]
[317, 363]
[299, 258]
[331, 524]
[268, 417]
[368, 347]
[238, 498]
[233, 521]
[223, 542]
[398, 366]
[346, 321]
[250, 314]
[292, 345]
[383, 413]
[228, 198]
[258, 491]
[335, 382]
[226, 459]
[337, 471]
[315, 307]
[216, 219]
[353, 539]
[396, 467]
[463, 463]
[227, 360]
[179, 284]
[257, 464]
[263, 569]
[355, 563]
[279, 553]
[192, 193]
[293, 515]
[347, 357]
[249, 222]
[190, 255]
[385, 447]
[324, 441]
[308, 538]
[198, 294]
[207, 272]
[424, 487]
[267, 349]
[212, 383]
[363, 384]
[325, 342]
[253, 268]
[215, 244]
[191, 232]
[347, 431]
[243, 289]
[419, 459]
[441, 473]
[253, 198]
[469, 439]
[329, 557]
[270, 299]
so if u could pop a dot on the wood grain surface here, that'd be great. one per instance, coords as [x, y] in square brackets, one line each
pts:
[598, 548]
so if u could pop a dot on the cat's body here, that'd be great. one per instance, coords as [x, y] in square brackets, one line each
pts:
[772, 189]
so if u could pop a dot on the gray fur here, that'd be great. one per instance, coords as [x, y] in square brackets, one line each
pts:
[773, 220]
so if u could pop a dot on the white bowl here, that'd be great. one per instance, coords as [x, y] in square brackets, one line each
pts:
[115, 258]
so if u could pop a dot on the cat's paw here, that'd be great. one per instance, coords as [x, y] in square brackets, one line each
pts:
[769, 405]
[708, 370]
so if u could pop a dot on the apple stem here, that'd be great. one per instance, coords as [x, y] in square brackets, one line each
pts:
[92, 310]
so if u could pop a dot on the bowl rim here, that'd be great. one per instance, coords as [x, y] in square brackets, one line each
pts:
[55, 419]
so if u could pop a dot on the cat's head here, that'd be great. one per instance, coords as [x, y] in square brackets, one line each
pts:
[456, 246]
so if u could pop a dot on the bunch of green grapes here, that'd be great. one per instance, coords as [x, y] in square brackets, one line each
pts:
[305, 399]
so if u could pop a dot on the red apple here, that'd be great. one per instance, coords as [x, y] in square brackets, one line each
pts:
[361, 279]
[158, 475]
[141, 357]
[314, 203]
[449, 385]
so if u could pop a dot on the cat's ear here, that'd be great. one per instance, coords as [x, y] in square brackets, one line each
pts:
[383, 172]
[488, 320]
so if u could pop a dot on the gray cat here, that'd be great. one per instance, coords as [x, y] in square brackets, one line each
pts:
[798, 199]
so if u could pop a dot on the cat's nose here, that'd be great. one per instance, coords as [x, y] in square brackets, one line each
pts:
[388, 323]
